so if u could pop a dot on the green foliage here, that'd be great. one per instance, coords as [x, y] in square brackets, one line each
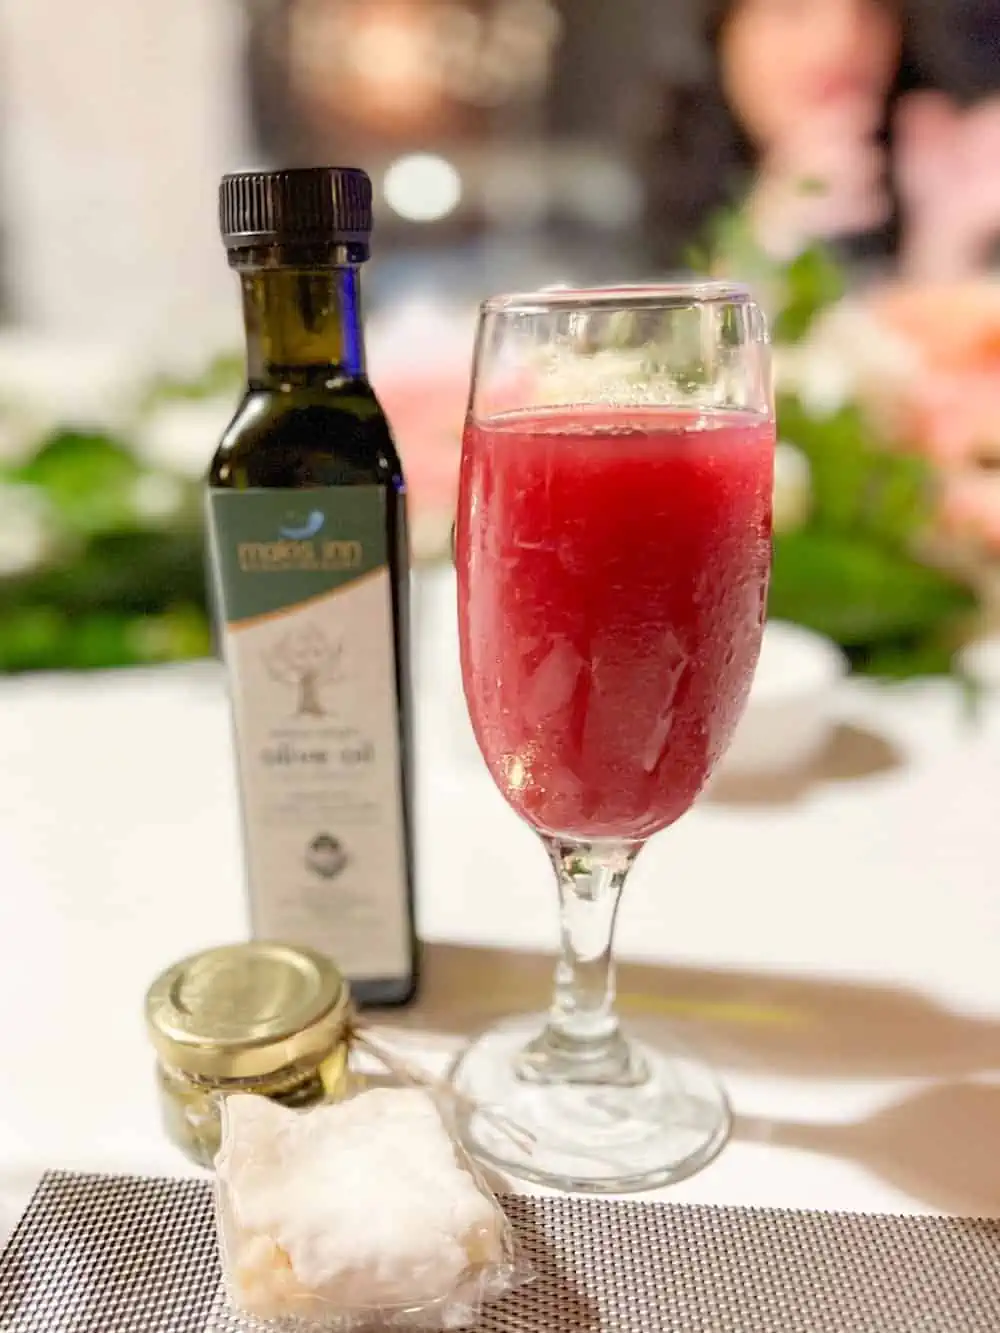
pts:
[42, 637]
[859, 486]
[864, 595]
[852, 571]
[115, 584]
[112, 586]
[88, 480]
[811, 283]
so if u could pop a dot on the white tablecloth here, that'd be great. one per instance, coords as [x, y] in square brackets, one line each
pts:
[836, 950]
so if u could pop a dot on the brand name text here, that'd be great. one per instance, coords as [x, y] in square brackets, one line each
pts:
[271, 557]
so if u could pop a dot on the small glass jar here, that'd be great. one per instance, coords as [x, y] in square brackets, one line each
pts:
[261, 1018]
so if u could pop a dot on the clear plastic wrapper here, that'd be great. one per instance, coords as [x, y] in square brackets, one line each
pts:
[366, 1213]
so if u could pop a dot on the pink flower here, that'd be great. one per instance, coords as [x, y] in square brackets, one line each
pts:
[945, 403]
[970, 507]
[426, 412]
[950, 408]
[420, 358]
[956, 324]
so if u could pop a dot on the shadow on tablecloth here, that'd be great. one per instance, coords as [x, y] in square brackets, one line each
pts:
[938, 1144]
[853, 753]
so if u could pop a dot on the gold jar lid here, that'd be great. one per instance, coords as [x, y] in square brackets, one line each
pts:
[247, 1011]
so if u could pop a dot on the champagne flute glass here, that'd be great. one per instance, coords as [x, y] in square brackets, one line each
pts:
[613, 548]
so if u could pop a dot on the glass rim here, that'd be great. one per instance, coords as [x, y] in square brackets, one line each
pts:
[623, 296]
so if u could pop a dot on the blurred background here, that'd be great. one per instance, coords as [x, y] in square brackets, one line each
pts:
[844, 155]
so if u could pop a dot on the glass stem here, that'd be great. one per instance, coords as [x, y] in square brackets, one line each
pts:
[582, 1042]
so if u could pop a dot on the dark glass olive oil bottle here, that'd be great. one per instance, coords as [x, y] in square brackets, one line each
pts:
[309, 551]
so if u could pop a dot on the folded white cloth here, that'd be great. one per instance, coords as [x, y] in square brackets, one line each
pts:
[352, 1206]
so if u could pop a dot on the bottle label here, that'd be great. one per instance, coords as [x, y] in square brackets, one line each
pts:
[305, 597]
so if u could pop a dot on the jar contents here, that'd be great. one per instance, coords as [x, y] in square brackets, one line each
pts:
[259, 1018]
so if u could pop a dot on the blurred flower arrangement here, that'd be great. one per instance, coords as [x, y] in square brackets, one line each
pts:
[887, 488]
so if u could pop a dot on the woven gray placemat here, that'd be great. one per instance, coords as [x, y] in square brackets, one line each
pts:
[119, 1254]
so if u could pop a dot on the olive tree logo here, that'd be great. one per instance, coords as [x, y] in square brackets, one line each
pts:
[306, 659]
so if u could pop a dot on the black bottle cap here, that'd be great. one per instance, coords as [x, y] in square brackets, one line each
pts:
[300, 207]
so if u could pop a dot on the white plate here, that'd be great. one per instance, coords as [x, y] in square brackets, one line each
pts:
[793, 704]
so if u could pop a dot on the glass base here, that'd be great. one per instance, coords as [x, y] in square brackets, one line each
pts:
[663, 1122]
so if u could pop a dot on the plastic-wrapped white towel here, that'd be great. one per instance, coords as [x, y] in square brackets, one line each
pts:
[359, 1206]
